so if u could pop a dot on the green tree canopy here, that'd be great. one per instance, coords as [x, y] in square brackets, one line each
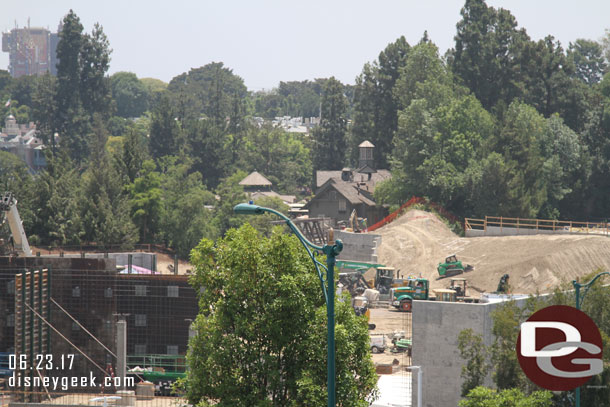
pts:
[261, 328]
[130, 94]
[375, 105]
[212, 90]
[329, 139]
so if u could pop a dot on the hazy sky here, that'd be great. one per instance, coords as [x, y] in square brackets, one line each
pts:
[266, 42]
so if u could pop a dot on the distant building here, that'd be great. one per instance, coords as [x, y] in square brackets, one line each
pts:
[338, 193]
[257, 186]
[32, 51]
[22, 141]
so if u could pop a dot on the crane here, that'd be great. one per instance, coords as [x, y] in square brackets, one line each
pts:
[8, 206]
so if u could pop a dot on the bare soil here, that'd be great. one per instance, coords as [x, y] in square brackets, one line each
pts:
[417, 241]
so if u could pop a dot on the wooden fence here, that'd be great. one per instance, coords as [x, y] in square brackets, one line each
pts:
[543, 225]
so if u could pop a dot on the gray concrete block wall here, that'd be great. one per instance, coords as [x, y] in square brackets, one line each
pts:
[436, 326]
[358, 246]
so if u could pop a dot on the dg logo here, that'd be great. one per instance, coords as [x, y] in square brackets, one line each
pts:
[560, 348]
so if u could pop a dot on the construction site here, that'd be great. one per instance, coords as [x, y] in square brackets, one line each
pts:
[123, 315]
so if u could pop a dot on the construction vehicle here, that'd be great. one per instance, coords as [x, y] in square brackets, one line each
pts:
[452, 267]
[415, 289]
[360, 304]
[400, 343]
[352, 278]
[17, 243]
[378, 344]
[503, 285]
[459, 285]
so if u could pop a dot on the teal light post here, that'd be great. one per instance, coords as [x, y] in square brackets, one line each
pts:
[328, 284]
[579, 300]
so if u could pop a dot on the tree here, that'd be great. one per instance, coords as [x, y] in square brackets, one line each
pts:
[473, 350]
[375, 106]
[95, 88]
[329, 138]
[129, 93]
[281, 157]
[57, 219]
[208, 146]
[165, 132]
[213, 89]
[128, 162]
[231, 194]
[588, 59]
[69, 120]
[146, 202]
[104, 205]
[186, 216]
[43, 110]
[485, 52]
[83, 89]
[261, 324]
[484, 397]
[15, 178]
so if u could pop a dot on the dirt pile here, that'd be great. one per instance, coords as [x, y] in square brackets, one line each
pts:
[417, 241]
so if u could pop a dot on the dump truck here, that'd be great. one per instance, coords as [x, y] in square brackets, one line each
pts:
[452, 267]
[414, 289]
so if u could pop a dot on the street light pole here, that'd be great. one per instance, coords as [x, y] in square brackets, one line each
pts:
[579, 301]
[327, 284]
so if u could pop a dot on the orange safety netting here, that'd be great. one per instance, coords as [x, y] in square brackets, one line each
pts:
[413, 201]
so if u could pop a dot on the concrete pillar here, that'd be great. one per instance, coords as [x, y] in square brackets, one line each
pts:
[121, 347]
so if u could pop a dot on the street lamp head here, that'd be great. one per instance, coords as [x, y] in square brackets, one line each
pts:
[247, 209]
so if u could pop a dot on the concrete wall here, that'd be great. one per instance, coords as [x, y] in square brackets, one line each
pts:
[359, 246]
[436, 326]
[140, 259]
[504, 231]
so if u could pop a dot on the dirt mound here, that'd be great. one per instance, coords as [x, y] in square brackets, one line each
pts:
[417, 241]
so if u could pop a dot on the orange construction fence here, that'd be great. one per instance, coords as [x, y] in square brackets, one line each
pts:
[413, 201]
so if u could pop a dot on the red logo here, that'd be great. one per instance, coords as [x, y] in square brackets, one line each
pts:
[560, 348]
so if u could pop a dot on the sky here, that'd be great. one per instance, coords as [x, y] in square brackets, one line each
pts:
[268, 41]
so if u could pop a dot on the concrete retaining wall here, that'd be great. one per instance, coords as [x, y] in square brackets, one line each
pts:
[436, 326]
[504, 231]
[358, 246]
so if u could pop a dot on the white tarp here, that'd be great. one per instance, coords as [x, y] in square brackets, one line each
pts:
[394, 391]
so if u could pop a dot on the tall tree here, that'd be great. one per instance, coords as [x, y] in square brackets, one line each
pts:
[70, 119]
[329, 138]
[43, 112]
[186, 216]
[82, 86]
[375, 106]
[259, 344]
[588, 59]
[165, 132]
[104, 204]
[94, 84]
[282, 157]
[484, 54]
[214, 90]
[146, 202]
[129, 93]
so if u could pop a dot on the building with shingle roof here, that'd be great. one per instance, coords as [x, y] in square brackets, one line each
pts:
[338, 193]
[257, 185]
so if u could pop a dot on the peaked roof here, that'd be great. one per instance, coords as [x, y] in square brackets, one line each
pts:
[255, 179]
[380, 175]
[348, 190]
[366, 143]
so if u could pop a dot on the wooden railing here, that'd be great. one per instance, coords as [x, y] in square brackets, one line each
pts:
[536, 224]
